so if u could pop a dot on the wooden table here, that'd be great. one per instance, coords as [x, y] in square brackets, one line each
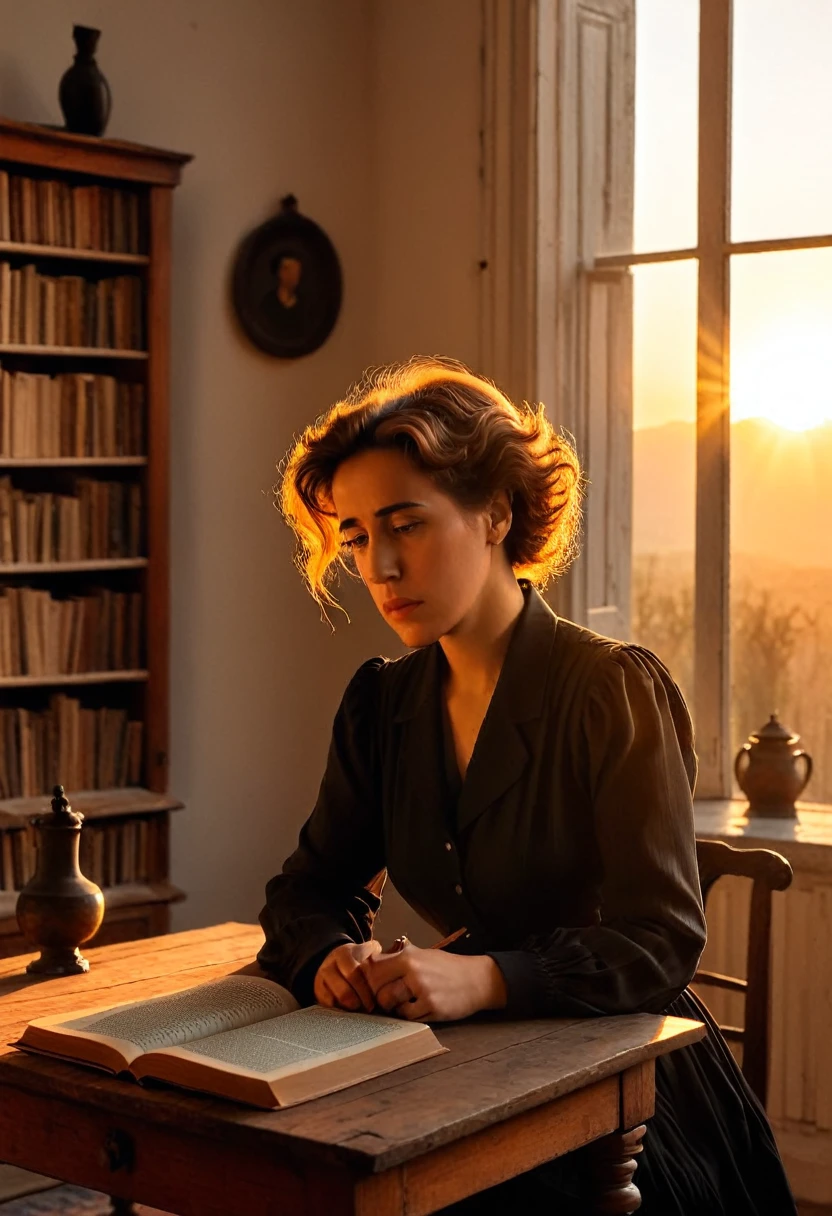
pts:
[506, 1097]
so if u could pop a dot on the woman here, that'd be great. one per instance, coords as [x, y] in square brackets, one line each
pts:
[515, 774]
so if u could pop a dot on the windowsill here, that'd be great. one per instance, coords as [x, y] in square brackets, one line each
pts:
[807, 839]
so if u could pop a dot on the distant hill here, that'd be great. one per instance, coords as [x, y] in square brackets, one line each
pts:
[781, 491]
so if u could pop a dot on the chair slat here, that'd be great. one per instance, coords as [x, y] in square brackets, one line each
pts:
[720, 981]
[769, 871]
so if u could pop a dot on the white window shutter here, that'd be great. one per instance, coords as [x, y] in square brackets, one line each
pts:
[602, 587]
[593, 97]
[557, 191]
[508, 174]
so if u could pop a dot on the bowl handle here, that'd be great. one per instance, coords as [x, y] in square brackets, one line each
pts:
[744, 750]
[805, 755]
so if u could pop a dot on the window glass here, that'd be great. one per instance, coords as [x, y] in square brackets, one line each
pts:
[667, 96]
[781, 499]
[664, 463]
[782, 100]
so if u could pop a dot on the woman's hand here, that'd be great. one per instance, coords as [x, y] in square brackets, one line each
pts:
[432, 985]
[340, 982]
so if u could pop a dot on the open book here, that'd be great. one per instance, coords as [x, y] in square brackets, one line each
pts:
[241, 1037]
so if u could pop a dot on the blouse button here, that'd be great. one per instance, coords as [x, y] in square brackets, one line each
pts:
[448, 845]
[458, 889]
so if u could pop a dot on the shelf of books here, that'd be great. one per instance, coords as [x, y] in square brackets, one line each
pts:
[85, 227]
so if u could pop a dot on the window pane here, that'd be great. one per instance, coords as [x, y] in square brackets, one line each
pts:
[782, 170]
[664, 463]
[781, 500]
[667, 92]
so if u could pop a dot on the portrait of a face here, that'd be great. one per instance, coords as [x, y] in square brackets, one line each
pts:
[284, 307]
[287, 284]
[289, 271]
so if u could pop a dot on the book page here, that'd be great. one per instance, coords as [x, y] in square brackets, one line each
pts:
[167, 1021]
[299, 1039]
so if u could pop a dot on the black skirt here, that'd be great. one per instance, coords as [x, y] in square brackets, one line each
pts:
[708, 1150]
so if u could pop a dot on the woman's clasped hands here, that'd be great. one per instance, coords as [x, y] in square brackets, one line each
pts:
[411, 983]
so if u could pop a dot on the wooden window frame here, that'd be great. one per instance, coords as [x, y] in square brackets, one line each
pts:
[713, 253]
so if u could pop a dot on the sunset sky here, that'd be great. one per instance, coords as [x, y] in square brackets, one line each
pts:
[781, 186]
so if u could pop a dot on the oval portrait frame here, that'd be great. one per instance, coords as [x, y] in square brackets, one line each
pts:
[286, 284]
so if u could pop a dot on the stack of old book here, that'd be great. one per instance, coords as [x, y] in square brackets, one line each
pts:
[101, 519]
[69, 310]
[113, 850]
[42, 211]
[42, 635]
[73, 414]
[87, 748]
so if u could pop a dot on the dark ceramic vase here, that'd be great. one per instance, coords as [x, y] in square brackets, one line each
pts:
[83, 92]
[59, 908]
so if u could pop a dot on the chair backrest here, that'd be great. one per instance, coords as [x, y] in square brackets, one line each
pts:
[768, 871]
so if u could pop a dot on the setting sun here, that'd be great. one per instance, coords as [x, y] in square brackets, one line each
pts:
[784, 376]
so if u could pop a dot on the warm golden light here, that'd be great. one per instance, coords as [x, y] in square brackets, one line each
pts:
[779, 333]
[784, 376]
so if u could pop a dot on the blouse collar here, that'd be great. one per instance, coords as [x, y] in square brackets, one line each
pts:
[520, 687]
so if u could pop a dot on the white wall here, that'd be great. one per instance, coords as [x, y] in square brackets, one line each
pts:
[426, 114]
[426, 105]
[367, 111]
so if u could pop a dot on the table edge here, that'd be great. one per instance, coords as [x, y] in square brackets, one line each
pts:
[366, 1158]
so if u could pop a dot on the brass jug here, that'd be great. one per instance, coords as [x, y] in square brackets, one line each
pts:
[771, 780]
[59, 909]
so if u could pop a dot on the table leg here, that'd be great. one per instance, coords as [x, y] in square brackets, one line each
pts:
[121, 1207]
[612, 1164]
[611, 1161]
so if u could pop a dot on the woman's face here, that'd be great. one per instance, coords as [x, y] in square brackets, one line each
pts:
[410, 541]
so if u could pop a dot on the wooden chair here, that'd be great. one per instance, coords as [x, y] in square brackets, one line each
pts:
[769, 871]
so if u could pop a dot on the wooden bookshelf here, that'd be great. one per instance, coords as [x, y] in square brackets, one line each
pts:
[93, 804]
[80, 677]
[68, 462]
[76, 210]
[136, 907]
[31, 250]
[124, 563]
[70, 352]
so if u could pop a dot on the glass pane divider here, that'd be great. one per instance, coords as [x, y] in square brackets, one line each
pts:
[779, 244]
[610, 261]
[616, 261]
[712, 662]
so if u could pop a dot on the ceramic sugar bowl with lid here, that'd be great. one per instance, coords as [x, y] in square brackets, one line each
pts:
[772, 771]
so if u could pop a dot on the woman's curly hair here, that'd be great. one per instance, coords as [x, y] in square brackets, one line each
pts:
[462, 431]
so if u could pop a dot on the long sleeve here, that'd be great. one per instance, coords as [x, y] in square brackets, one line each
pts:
[636, 741]
[328, 891]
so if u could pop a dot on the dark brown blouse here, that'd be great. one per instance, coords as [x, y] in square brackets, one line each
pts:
[567, 851]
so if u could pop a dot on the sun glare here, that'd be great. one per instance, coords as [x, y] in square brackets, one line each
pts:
[785, 378]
